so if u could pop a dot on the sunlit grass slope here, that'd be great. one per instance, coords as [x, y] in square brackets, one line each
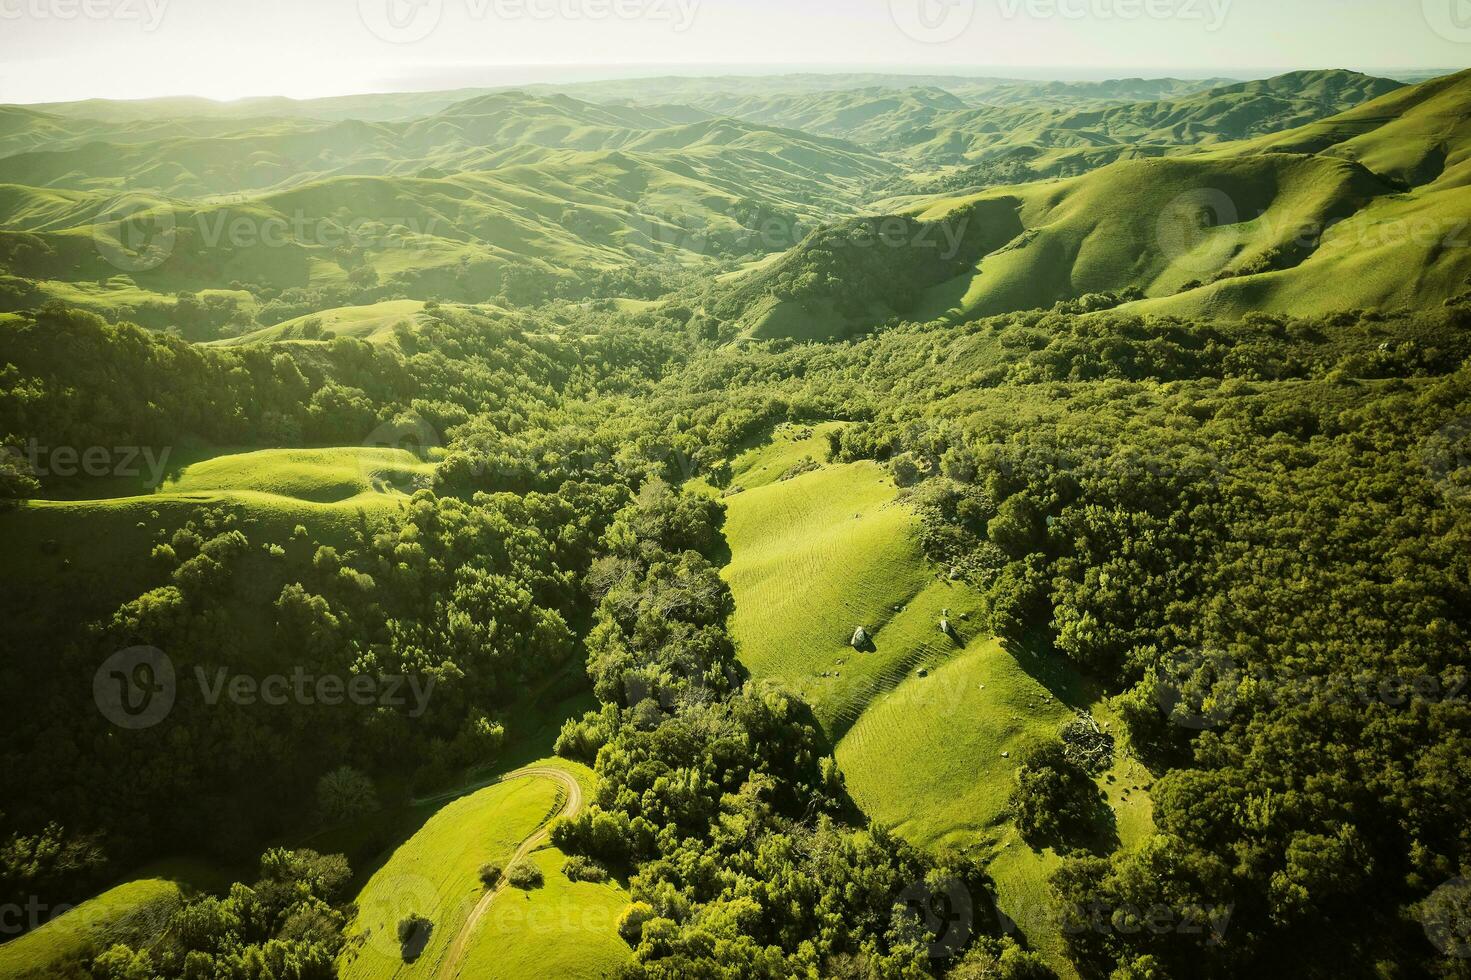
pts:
[929, 728]
[435, 874]
[374, 323]
[563, 929]
[935, 758]
[324, 476]
[816, 556]
[93, 544]
[137, 909]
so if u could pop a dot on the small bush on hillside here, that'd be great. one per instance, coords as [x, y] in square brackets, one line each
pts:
[490, 873]
[1055, 801]
[413, 935]
[631, 925]
[579, 868]
[524, 875]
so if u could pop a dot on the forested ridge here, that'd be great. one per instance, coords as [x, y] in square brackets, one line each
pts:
[1255, 534]
[1114, 578]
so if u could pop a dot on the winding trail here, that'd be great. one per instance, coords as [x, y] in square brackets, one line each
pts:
[571, 804]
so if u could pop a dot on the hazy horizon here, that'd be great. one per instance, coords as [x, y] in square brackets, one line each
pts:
[530, 76]
[66, 50]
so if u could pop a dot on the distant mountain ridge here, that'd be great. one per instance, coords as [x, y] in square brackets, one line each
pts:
[1369, 208]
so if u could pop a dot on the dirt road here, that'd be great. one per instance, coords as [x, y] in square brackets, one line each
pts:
[571, 805]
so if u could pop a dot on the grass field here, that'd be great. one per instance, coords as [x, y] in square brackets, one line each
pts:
[435, 874]
[817, 555]
[935, 757]
[564, 929]
[122, 914]
[319, 476]
[936, 760]
[813, 558]
[563, 926]
[374, 323]
[929, 728]
[91, 544]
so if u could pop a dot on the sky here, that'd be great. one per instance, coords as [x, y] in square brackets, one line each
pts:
[55, 50]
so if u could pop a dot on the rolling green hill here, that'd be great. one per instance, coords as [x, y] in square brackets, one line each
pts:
[1365, 209]
[1061, 139]
[819, 554]
[130, 912]
[460, 205]
[929, 728]
[562, 926]
[374, 323]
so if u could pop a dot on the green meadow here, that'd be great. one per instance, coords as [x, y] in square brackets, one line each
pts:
[130, 912]
[809, 452]
[435, 873]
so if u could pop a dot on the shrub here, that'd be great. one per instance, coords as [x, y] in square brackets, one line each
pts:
[579, 868]
[490, 873]
[345, 794]
[631, 926]
[1055, 801]
[413, 935]
[524, 875]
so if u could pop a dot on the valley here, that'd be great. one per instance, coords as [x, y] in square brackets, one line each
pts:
[848, 524]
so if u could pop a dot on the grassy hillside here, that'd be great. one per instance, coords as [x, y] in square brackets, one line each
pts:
[1242, 227]
[563, 929]
[1061, 139]
[265, 153]
[483, 199]
[130, 912]
[1415, 136]
[435, 874]
[936, 757]
[862, 272]
[814, 557]
[568, 927]
[374, 323]
[89, 543]
[930, 729]
[323, 476]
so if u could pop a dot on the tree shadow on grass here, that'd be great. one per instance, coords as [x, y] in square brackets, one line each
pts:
[413, 937]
